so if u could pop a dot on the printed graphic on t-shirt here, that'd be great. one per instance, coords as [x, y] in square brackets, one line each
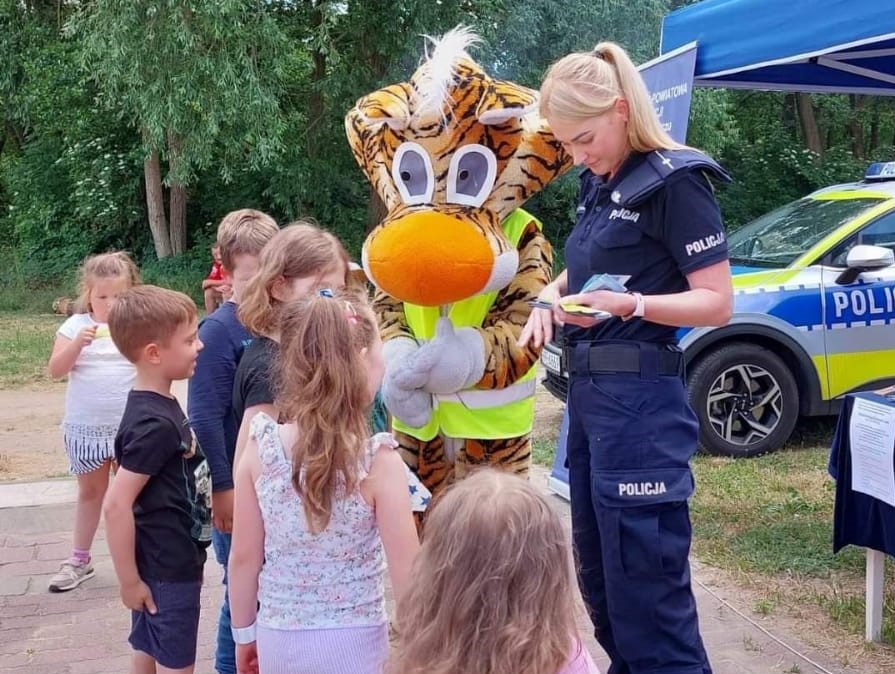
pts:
[188, 448]
[201, 530]
[200, 497]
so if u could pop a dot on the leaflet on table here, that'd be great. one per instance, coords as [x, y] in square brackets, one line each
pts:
[872, 445]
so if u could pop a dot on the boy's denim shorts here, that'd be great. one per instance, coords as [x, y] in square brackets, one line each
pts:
[170, 635]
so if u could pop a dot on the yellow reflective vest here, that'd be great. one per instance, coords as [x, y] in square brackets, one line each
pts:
[486, 414]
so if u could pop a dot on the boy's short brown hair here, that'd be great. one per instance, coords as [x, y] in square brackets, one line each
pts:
[148, 314]
[245, 231]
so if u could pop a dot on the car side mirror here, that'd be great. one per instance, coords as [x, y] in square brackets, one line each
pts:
[865, 258]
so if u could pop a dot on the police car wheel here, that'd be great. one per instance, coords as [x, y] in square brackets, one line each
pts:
[745, 398]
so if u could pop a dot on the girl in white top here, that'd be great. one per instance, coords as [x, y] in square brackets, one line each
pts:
[317, 501]
[99, 378]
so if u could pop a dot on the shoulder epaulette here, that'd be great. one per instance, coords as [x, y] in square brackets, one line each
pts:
[656, 169]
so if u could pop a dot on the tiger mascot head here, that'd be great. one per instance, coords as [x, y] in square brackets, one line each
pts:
[451, 153]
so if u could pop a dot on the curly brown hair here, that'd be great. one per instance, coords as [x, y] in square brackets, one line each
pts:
[322, 387]
[496, 554]
[300, 250]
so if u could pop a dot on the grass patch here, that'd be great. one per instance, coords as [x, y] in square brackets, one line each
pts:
[769, 520]
[543, 450]
[770, 514]
[772, 518]
[31, 299]
[25, 345]
[28, 327]
[34, 295]
[846, 607]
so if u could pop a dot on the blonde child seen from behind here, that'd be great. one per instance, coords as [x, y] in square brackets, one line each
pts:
[99, 378]
[317, 501]
[493, 589]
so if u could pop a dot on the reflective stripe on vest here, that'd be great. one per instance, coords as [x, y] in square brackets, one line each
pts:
[486, 414]
[477, 399]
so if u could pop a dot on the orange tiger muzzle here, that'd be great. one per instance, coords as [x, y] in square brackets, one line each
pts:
[429, 258]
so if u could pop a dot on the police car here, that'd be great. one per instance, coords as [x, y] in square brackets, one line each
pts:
[814, 318]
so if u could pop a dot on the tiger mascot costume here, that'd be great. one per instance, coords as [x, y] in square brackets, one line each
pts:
[453, 153]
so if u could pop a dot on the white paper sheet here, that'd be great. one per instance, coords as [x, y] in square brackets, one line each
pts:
[872, 435]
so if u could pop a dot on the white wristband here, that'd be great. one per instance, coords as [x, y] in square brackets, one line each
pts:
[638, 307]
[243, 635]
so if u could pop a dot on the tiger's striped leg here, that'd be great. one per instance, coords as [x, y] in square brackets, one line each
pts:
[512, 454]
[427, 460]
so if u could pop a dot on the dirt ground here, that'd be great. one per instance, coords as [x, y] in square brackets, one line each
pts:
[31, 449]
[548, 415]
[31, 442]
[30, 438]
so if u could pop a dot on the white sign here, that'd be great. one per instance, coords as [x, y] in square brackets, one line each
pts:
[872, 439]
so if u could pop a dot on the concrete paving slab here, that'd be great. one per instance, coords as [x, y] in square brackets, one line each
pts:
[85, 630]
[45, 492]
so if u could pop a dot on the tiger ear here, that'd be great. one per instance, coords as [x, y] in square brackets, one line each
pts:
[389, 106]
[504, 101]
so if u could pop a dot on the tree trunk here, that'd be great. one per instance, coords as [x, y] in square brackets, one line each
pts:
[155, 206]
[789, 116]
[857, 126]
[376, 210]
[874, 127]
[316, 102]
[808, 122]
[177, 210]
[177, 207]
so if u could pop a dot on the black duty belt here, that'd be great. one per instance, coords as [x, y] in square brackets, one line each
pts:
[644, 358]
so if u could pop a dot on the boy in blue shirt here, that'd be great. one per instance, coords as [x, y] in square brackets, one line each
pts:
[241, 236]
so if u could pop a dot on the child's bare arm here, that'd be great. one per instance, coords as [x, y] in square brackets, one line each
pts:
[120, 533]
[388, 487]
[66, 351]
[247, 550]
[242, 437]
[213, 283]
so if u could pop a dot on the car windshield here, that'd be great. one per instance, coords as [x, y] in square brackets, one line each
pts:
[780, 237]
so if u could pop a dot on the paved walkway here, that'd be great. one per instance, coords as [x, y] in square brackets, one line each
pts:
[84, 631]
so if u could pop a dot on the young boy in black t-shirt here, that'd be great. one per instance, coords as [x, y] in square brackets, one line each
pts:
[157, 512]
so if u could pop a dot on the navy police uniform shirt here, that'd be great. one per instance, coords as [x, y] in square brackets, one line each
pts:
[655, 221]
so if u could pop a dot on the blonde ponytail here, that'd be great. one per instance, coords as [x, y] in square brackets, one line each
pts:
[587, 84]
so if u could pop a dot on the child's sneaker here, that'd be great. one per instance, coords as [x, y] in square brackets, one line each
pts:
[70, 575]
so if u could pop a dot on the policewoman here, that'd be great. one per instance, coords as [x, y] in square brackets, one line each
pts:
[647, 215]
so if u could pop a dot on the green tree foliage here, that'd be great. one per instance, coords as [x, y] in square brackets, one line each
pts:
[67, 169]
[199, 80]
[140, 124]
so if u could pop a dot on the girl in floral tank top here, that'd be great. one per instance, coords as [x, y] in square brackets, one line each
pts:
[316, 502]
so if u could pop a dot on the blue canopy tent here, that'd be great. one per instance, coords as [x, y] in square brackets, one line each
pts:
[831, 46]
[824, 46]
